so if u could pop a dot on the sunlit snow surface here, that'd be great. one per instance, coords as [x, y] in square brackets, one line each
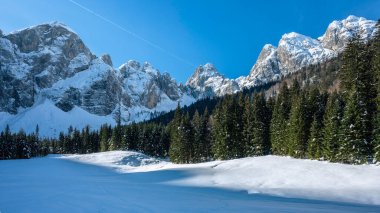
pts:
[123, 181]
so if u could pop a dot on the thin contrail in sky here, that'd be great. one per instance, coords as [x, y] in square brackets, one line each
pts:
[132, 33]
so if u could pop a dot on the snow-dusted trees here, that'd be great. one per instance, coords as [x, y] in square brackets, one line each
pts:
[279, 121]
[19, 145]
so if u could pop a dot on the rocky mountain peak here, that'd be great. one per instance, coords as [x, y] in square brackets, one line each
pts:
[206, 81]
[201, 74]
[266, 68]
[338, 33]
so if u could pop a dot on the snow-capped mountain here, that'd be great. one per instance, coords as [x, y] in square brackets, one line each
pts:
[207, 81]
[49, 77]
[296, 51]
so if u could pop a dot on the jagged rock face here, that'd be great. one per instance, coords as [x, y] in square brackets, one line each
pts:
[50, 61]
[207, 82]
[35, 58]
[107, 59]
[338, 33]
[296, 51]
[201, 75]
[51, 51]
[146, 85]
[102, 96]
[267, 68]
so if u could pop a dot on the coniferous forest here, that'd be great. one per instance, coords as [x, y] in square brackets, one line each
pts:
[301, 119]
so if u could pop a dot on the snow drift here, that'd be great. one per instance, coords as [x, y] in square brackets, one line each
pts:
[273, 175]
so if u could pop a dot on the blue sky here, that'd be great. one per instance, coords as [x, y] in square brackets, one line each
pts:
[178, 35]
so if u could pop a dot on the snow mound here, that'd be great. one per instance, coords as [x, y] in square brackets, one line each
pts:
[122, 161]
[273, 175]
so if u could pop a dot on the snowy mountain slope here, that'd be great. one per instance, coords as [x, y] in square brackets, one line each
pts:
[274, 175]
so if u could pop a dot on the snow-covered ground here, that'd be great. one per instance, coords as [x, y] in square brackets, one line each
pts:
[122, 181]
[274, 175]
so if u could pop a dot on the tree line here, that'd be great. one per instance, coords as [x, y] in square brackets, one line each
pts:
[21, 145]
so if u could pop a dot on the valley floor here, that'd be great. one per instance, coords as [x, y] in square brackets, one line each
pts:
[131, 182]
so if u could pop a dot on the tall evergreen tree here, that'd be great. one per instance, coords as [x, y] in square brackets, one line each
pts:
[279, 122]
[332, 122]
[317, 107]
[298, 131]
[375, 49]
[358, 82]
[248, 122]
[198, 136]
[260, 143]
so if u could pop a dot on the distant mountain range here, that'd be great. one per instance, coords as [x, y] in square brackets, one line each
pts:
[49, 77]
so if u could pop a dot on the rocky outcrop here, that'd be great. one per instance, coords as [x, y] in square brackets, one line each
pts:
[147, 86]
[338, 33]
[107, 59]
[206, 81]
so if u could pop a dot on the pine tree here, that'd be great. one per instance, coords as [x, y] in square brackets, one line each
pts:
[234, 111]
[104, 137]
[248, 121]
[317, 105]
[181, 147]
[298, 131]
[198, 137]
[315, 144]
[86, 140]
[332, 122]
[260, 143]
[220, 147]
[206, 126]
[353, 147]
[375, 48]
[358, 82]
[115, 138]
[174, 150]
[279, 122]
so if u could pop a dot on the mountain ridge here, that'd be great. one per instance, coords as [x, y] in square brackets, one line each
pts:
[48, 66]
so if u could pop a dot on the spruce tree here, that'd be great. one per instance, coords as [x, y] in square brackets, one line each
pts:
[353, 145]
[358, 82]
[298, 131]
[260, 143]
[317, 106]
[206, 126]
[180, 126]
[248, 134]
[332, 121]
[220, 145]
[279, 121]
[375, 49]
[315, 144]
[199, 137]
[104, 137]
